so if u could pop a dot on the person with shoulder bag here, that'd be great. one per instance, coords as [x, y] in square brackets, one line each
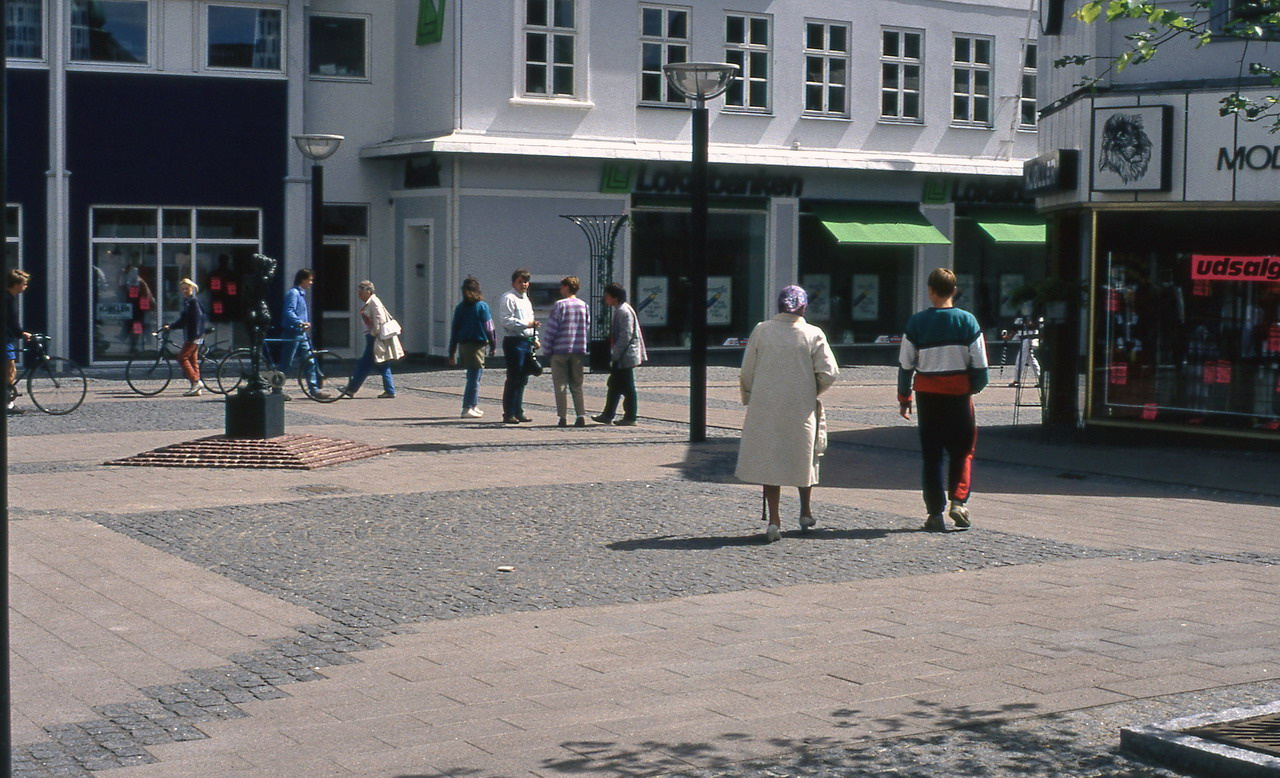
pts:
[381, 343]
[626, 353]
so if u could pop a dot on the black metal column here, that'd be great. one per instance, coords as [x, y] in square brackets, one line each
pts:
[317, 250]
[698, 280]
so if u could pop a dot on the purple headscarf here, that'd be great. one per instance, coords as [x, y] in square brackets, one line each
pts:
[792, 300]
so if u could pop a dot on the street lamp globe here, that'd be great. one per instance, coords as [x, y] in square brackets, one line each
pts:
[316, 147]
[700, 81]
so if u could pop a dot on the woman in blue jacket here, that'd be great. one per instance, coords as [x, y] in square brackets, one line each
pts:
[192, 323]
[471, 334]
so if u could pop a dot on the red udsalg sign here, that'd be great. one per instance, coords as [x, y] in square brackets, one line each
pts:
[1214, 267]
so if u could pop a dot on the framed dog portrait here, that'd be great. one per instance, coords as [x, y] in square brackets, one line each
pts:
[1132, 148]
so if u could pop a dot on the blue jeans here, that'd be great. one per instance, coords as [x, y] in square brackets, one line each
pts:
[365, 365]
[289, 350]
[471, 393]
[516, 350]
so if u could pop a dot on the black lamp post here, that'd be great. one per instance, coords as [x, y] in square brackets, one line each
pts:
[699, 82]
[316, 148]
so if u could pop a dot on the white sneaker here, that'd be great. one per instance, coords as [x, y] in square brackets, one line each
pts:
[472, 413]
[194, 391]
[807, 522]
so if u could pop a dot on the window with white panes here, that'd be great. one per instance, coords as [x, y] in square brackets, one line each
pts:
[901, 62]
[748, 43]
[339, 46]
[664, 39]
[24, 29]
[550, 44]
[826, 68]
[244, 38]
[111, 31]
[971, 81]
[1027, 98]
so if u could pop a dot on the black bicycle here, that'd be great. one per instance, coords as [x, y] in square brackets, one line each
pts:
[56, 385]
[150, 372]
[322, 375]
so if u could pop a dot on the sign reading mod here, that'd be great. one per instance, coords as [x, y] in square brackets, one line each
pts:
[1212, 267]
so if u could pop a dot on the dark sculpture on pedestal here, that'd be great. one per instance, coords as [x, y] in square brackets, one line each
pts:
[253, 411]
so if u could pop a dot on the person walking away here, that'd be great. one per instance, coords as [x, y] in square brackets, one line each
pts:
[378, 350]
[471, 334]
[625, 354]
[787, 364]
[192, 322]
[944, 351]
[565, 338]
[297, 326]
[519, 340]
[17, 284]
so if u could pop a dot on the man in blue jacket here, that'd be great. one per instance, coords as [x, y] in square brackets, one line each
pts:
[296, 322]
[943, 349]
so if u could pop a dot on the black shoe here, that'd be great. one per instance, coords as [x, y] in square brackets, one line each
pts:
[562, 422]
[625, 423]
[581, 422]
[934, 524]
[602, 419]
[510, 420]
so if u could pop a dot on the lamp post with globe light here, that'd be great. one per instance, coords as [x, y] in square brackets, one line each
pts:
[699, 82]
[317, 147]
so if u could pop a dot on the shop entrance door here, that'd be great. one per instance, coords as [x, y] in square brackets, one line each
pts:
[334, 295]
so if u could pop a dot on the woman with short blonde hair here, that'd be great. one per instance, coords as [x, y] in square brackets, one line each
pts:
[378, 350]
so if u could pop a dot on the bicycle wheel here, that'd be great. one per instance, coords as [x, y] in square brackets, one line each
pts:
[333, 373]
[234, 369]
[57, 385]
[149, 373]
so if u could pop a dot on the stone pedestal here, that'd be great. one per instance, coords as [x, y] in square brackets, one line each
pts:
[254, 415]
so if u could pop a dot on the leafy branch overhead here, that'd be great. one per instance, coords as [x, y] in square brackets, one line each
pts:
[1257, 20]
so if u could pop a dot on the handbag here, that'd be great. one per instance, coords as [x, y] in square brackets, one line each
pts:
[389, 329]
[532, 366]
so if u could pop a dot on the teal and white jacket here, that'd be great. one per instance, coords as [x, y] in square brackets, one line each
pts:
[944, 350]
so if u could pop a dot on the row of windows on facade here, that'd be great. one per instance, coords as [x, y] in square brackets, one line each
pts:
[550, 35]
[236, 37]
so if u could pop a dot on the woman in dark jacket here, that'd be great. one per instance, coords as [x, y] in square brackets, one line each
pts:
[192, 323]
[472, 335]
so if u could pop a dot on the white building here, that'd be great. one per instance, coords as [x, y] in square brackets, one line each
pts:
[866, 144]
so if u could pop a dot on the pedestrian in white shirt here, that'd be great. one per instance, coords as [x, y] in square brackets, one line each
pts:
[519, 340]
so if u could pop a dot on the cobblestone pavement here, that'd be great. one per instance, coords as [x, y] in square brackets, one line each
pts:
[375, 568]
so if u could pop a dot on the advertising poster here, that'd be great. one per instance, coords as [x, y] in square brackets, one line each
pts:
[1132, 148]
[864, 305]
[1010, 283]
[719, 301]
[966, 293]
[652, 301]
[818, 287]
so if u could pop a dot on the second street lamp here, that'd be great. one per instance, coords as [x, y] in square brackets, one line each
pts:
[317, 147]
[699, 82]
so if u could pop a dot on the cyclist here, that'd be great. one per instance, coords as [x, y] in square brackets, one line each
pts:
[297, 324]
[192, 323]
[17, 284]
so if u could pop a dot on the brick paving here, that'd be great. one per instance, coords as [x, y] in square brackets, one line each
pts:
[616, 613]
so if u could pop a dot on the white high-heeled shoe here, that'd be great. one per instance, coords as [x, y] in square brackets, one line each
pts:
[773, 533]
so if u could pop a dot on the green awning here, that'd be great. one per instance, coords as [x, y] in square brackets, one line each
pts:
[1013, 228]
[901, 225]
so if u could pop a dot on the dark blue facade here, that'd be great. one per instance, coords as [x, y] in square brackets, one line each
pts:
[28, 163]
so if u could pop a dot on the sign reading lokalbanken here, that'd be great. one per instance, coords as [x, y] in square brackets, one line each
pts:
[1211, 267]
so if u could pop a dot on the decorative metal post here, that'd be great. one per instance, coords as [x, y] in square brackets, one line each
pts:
[602, 238]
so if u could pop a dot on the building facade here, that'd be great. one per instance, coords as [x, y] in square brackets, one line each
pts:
[1165, 212]
[863, 145]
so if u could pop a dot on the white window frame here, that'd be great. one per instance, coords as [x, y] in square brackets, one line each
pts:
[899, 63]
[1030, 70]
[550, 31]
[43, 59]
[971, 96]
[368, 45]
[745, 53]
[14, 239]
[670, 96]
[203, 38]
[154, 43]
[828, 56]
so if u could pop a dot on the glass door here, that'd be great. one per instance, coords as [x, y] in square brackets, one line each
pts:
[333, 296]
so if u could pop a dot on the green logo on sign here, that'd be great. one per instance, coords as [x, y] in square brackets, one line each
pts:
[430, 21]
[617, 178]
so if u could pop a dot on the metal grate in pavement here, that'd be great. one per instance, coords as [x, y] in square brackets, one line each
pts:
[1260, 733]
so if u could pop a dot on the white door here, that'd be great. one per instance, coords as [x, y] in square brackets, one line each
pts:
[416, 318]
[334, 294]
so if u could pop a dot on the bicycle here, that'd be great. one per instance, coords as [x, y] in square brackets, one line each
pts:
[150, 372]
[329, 369]
[56, 385]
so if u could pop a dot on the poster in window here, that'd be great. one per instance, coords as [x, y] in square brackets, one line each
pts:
[719, 301]
[1010, 283]
[652, 300]
[818, 287]
[1132, 148]
[966, 292]
[865, 303]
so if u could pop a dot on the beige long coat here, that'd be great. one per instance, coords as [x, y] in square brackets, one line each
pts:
[374, 314]
[788, 363]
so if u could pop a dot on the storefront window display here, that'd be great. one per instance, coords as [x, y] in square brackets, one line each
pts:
[1188, 333]
[140, 254]
[660, 274]
[989, 273]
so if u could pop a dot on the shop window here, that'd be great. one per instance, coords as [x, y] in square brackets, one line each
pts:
[24, 29]
[901, 62]
[12, 236]
[339, 46]
[971, 81]
[550, 44]
[346, 220]
[1028, 117]
[748, 43]
[826, 69]
[110, 31]
[244, 38]
[664, 40]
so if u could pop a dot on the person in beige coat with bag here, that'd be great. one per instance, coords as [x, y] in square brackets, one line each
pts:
[787, 364]
[381, 343]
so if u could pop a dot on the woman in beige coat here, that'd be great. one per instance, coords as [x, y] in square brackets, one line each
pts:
[788, 363]
[379, 351]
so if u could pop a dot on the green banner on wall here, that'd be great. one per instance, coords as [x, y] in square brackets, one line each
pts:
[430, 21]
